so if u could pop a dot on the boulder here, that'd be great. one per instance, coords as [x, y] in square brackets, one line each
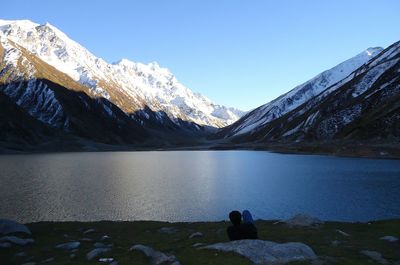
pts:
[107, 260]
[9, 226]
[342, 233]
[197, 234]
[168, 230]
[335, 243]
[266, 252]
[105, 237]
[16, 240]
[48, 260]
[20, 254]
[303, 220]
[69, 245]
[156, 257]
[374, 255]
[389, 238]
[102, 245]
[5, 245]
[91, 230]
[95, 252]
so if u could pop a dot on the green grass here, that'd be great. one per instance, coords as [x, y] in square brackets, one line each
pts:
[126, 234]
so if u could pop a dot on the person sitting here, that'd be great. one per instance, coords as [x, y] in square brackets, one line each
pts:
[239, 230]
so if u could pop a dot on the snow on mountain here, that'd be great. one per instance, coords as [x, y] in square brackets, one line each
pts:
[363, 106]
[131, 86]
[299, 95]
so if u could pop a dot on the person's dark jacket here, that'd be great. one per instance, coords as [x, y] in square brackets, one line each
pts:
[242, 231]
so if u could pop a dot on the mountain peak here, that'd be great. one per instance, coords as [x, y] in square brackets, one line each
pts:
[123, 61]
[22, 23]
[373, 51]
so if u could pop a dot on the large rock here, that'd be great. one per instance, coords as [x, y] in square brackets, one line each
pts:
[69, 245]
[266, 252]
[197, 234]
[102, 245]
[303, 220]
[5, 245]
[156, 257]
[96, 252]
[390, 238]
[168, 230]
[89, 231]
[374, 255]
[9, 226]
[16, 240]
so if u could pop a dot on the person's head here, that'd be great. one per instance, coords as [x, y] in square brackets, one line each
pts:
[235, 217]
[247, 218]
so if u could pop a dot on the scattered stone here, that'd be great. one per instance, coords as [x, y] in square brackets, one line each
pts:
[86, 239]
[342, 233]
[197, 245]
[21, 254]
[106, 260]
[72, 256]
[105, 237]
[16, 240]
[197, 234]
[335, 243]
[74, 250]
[389, 238]
[303, 220]
[114, 263]
[168, 230]
[5, 245]
[48, 260]
[267, 252]
[66, 236]
[9, 226]
[95, 252]
[101, 245]
[29, 263]
[156, 257]
[91, 230]
[374, 255]
[69, 245]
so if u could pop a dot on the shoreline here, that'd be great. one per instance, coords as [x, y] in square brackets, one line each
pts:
[332, 242]
[395, 219]
[366, 152]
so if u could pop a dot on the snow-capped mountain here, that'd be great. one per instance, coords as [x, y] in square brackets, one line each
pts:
[133, 87]
[298, 95]
[364, 105]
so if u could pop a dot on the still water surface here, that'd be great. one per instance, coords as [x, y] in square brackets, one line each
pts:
[195, 186]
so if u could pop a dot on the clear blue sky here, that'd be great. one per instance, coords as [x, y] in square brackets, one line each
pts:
[237, 53]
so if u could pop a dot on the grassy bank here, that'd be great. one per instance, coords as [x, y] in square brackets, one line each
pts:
[331, 245]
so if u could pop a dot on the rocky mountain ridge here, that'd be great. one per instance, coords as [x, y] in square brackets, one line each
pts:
[363, 106]
[133, 87]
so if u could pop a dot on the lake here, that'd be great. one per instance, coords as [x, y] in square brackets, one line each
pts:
[195, 186]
